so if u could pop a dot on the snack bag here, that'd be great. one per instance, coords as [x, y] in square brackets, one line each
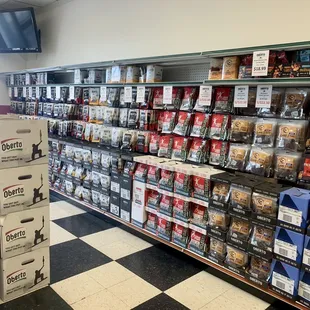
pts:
[181, 209]
[189, 99]
[160, 120]
[276, 101]
[153, 175]
[114, 97]
[183, 183]
[153, 199]
[144, 116]
[148, 98]
[240, 197]
[166, 205]
[96, 133]
[133, 118]
[154, 143]
[304, 172]
[242, 129]
[151, 222]
[105, 135]
[265, 205]
[236, 258]
[94, 95]
[166, 180]
[237, 156]
[143, 140]
[262, 237]
[201, 188]
[197, 242]
[217, 248]
[260, 161]
[180, 235]
[199, 215]
[265, 132]
[221, 192]
[141, 172]
[201, 125]
[129, 140]
[199, 151]
[218, 152]
[164, 228]
[183, 124]
[224, 97]
[287, 164]
[123, 117]
[259, 268]
[177, 95]
[168, 122]
[219, 126]
[180, 148]
[117, 135]
[294, 102]
[95, 198]
[165, 146]
[218, 219]
[158, 98]
[239, 229]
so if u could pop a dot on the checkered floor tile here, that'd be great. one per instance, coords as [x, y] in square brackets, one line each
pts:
[97, 263]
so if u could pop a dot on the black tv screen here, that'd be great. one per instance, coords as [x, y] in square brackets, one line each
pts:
[18, 31]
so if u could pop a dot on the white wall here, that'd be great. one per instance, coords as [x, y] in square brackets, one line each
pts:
[84, 31]
[12, 62]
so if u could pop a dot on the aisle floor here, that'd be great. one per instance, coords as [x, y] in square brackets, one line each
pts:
[100, 264]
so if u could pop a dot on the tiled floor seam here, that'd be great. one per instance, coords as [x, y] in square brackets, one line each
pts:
[86, 297]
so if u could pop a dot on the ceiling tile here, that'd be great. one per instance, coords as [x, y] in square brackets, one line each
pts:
[14, 5]
[37, 2]
[3, 1]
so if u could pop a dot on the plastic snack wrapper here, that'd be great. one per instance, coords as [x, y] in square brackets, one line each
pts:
[259, 268]
[183, 124]
[180, 235]
[265, 132]
[153, 199]
[70, 170]
[96, 133]
[304, 171]
[160, 120]
[201, 125]
[294, 103]
[134, 104]
[96, 157]
[291, 135]
[141, 172]
[166, 179]
[177, 96]
[262, 237]
[250, 110]
[63, 169]
[166, 205]
[153, 175]
[129, 140]
[165, 146]
[105, 160]
[201, 187]
[86, 194]
[189, 98]
[88, 132]
[69, 187]
[143, 140]
[180, 148]
[181, 209]
[286, 165]
[242, 129]
[114, 97]
[133, 118]
[154, 143]
[218, 219]
[218, 152]
[217, 248]
[105, 135]
[221, 192]
[236, 258]
[197, 241]
[78, 155]
[276, 102]
[87, 175]
[219, 126]
[79, 173]
[123, 117]
[169, 122]
[117, 135]
[148, 98]
[240, 197]
[224, 97]
[199, 215]
[92, 112]
[260, 161]
[237, 156]
[108, 116]
[199, 151]
[104, 201]
[87, 157]
[239, 229]
[158, 98]
[265, 205]
[78, 192]
[164, 228]
[95, 177]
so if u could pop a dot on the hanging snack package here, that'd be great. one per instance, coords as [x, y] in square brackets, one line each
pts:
[219, 126]
[152, 120]
[154, 143]
[88, 132]
[122, 103]
[133, 118]
[201, 125]
[86, 194]
[260, 161]
[105, 135]
[265, 205]
[105, 181]
[141, 172]
[143, 140]
[87, 156]
[108, 116]
[134, 104]
[144, 117]
[166, 205]
[199, 215]
[79, 173]
[169, 122]
[153, 199]
[241, 196]
[221, 192]
[224, 97]
[177, 96]
[239, 229]
[96, 133]
[153, 175]
[164, 228]
[238, 156]
[217, 249]
[95, 176]
[236, 258]
[183, 181]
[218, 152]
[181, 209]
[158, 98]
[166, 181]
[218, 219]
[287, 164]
[115, 117]
[250, 110]
[242, 128]
[69, 151]
[95, 198]
[291, 135]
[259, 268]
[114, 97]
[199, 151]
[123, 117]
[148, 98]
[201, 184]
[151, 222]
[276, 102]
[180, 148]
[106, 160]
[165, 146]
[183, 124]
[94, 95]
[117, 135]
[262, 238]
[85, 96]
[180, 235]
[189, 99]
[265, 132]
[294, 103]
[78, 155]
[129, 140]
[160, 120]
[96, 157]
[197, 242]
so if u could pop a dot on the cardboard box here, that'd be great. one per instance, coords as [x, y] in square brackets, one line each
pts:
[95, 76]
[230, 68]
[118, 74]
[115, 182]
[138, 214]
[23, 143]
[304, 288]
[23, 188]
[79, 76]
[126, 187]
[24, 231]
[139, 193]
[288, 246]
[294, 211]
[115, 204]
[24, 273]
[284, 279]
[154, 74]
[306, 255]
[133, 74]
[125, 210]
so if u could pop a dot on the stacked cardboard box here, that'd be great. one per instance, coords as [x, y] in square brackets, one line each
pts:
[24, 207]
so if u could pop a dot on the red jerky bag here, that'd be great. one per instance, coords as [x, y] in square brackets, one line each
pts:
[158, 98]
[183, 124]
[165, 146]
[154, 143]
[219, 126]
[169, 121]
[224, 97]
[190, 97]
[180, 148]
[201, 125]
[218, 152]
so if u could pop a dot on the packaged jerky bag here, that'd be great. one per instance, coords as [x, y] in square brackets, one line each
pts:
[105, 135]
[239, 229]
[189, 99]
[265, 132]
[262, 237]
[133, 118]
[141, 172]
[217, 248]
[114, 97]
[165, 146]
[123, 117]
[236, 258]
[143, 139]
[238, 156]
[160, 120]
[199, 215]
[286, 165]
[265, 204]
[166, 181]
[183, 124]
[183, 183]
[158, 98]
[240, 197]
[242, 128]
[218, 152]
[154, 143]
[259, 268]
[153, 175]
[201, 188]
[144, 119]
[166, 205]
[201, 125]
[151, 222]
[177, 96]
[153, 199]
[199, 151]
[260, 161]
[169, 122]
[129, 140]
[221, 192]
[180, 235]
[180, 148]
[197, 242]
[304, 172]
[219, 126]
[164, 228]
[224, 97]
[148, 98]
[181, 209]
[276, 102]
[218, 219]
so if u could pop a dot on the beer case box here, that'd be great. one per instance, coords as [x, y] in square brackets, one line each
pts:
[125, 210]
[115, 204]
[138, 215]
[288, 246]
[23, 143]
[23, 188]
[24, 231]
[284, 279]
[139, 193]
[306, 255]
[294, 211]
[24, 273]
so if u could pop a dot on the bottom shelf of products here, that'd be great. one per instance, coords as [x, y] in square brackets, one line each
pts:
[187, 252]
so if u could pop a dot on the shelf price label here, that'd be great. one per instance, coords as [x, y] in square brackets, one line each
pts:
[241, 96]
[263, 96]
[205, 95]
[128, 94]
[103, 94]
[140, 94]
[167, 96]
[260, 63]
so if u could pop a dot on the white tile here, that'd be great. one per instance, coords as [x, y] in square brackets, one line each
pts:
[110, 274]
[59, 235]
[222, 303]
[76, 288]
[198, 290]
[103, 300]
[61, 209]
[134, 291]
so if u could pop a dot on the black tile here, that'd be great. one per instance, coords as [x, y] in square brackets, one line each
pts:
[43, 299]
[161, 266]
[277, 305]
[84, 224]
[162, 302]
[74, 257]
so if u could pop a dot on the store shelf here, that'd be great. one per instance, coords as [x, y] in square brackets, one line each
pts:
[186, 251]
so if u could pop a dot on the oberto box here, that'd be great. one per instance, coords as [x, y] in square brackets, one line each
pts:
[24, 273]
[24, 231]
[138, 215]
[294, 212]
[306, 255]
[23, 143]
[23, 188]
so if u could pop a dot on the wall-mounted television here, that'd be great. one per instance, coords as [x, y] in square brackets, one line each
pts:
[18, 31]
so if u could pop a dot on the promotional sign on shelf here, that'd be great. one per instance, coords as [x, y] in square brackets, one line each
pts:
[205, 95]
[140, 94]
[263, 96]
[167, 96]
[241, 96]
[128, 94]
[260, 63]
[103, 93]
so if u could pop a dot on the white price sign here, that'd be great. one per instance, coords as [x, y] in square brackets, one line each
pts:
[241, 96]
[71, 93]
[128, 94]
[263, 96]
[49, 92]
[140, 94]
[37, 92]
[167, 96]
[260, 63]
[205, 95]
[15, 92]
[58, 93]
[103, 94]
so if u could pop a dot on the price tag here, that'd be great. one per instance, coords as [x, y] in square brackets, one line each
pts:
[140, 94]
[48, 92]
[37, 92]
[260, 63]
[290, 215]
[263, 96]
[205, 95]
[58, 93]
[103, 94]
[71, 93]
[128, 94]
[10, 92]
[241, 96]
[24, 92]
[167, 96]
[283, 283]
[30, 92]
[285, 249]
[15, 92]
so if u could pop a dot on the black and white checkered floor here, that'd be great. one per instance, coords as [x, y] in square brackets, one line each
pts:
[100, 264]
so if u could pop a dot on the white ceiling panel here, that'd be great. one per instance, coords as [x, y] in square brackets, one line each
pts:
[15, 4]
[40, 3]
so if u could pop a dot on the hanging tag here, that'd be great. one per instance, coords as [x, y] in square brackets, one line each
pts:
[260, 63]
[167, 96]
[58, 92]
[205, 95]
[140, 94]
[48, 92]
[263, 96]
[128, 94]
[241, 96]
[103, 93]
[15, 92]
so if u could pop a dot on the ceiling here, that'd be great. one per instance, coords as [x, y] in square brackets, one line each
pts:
[16, 4]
